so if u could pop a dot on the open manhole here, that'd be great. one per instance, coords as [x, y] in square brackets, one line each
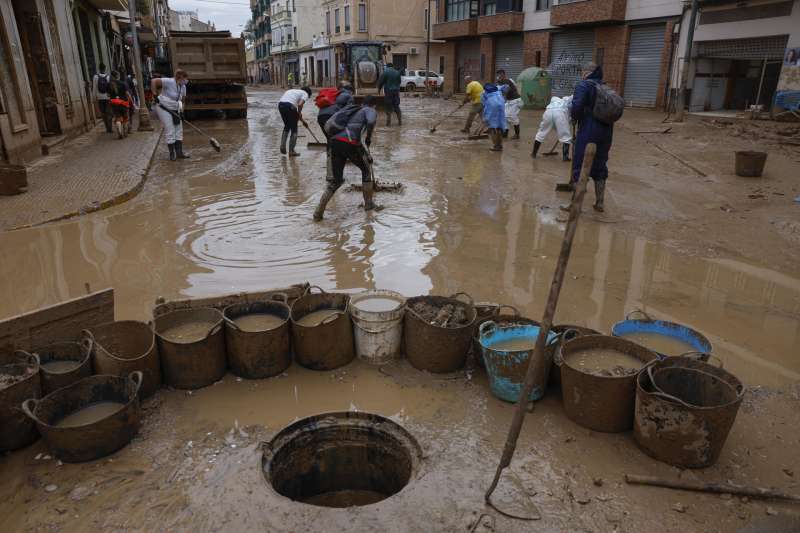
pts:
[341, 459]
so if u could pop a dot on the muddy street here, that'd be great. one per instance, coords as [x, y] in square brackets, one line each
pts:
[682, 238]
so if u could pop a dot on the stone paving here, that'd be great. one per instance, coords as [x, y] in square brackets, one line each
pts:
[90, 172]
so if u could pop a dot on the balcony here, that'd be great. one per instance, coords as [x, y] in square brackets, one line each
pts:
[508, 22]
[579, 12]
[456, 29]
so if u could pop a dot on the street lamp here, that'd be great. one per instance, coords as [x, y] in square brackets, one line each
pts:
[144, 115]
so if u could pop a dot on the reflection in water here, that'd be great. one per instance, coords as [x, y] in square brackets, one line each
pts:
[240, 220]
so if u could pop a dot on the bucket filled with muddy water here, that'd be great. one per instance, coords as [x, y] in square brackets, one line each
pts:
[598, 381]
[503, 315]
[89, 419]
[685, 409]
[667, 339]
[322, 332]
[19, 380]
[192, 347]
[64, 363]
[507, 352]
[565, 332]
[377, 325]
[258, 337]
[123, 347]
[438, 332]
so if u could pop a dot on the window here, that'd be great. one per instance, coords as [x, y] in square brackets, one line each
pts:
[441, 64]
[425, 20]
[538, 61]
[362, 17]
[294, 6]
[489, 7]
[346, 18]
[542, 5]
[460, 9]
[328, 22]
[336, 20]
[294, 34]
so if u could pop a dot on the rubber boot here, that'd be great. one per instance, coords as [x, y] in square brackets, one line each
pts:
[399, 118]
[292, 144]
[505, 134]
[172, 154]
[284, 136]
[565, 152]
[516, 132]
[497, 138]
[536, 146]
[388, 119]
[368, 189]
[599, 193]
[327, 194]
[179, 150]
[329, 166]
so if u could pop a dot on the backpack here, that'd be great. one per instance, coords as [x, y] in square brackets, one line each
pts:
[103, 85]
[326, 97]
[338, 122]
[608, 105]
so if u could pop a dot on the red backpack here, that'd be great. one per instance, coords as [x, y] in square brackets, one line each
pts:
[326, 97]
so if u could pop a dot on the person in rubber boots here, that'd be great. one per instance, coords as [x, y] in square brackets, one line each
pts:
[473, 93]
[590, 130]
[390, 81]
[494, 114]
[513, 101]
[169, 96]
[290, 107]
[556, 116]
[346, 146]
[343, 99]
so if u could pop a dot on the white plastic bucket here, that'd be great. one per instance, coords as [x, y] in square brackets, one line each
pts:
[377, 325]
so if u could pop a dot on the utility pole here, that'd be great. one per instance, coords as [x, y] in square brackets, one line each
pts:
[144, 115]
[687, 59]
[428, 48]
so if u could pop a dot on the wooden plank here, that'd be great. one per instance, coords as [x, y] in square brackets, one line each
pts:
[60, 322]
[163, 307]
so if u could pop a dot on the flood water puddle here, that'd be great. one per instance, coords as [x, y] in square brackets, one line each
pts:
[241, 220]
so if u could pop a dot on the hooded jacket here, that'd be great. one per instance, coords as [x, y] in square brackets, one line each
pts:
[494, 107]
[589, 129]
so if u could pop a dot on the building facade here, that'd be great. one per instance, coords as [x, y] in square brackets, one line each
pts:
[294, 26]
[188, 21]
[261, 41]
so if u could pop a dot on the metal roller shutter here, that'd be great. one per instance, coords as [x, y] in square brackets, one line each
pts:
[508, 55]
[569, 50]
[468, 59]
[756, 49]
[643, 71]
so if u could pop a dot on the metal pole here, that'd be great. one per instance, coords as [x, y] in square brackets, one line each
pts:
[428, 49]
[761, 81]
[687, 59]
[144, 115]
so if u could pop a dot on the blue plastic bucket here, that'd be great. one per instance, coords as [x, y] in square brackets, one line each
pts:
[506, 369]
[685, 334]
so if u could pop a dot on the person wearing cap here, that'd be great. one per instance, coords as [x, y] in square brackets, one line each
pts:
[290, 107]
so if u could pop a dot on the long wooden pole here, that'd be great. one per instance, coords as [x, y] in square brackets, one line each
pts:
[716, 488]
[537, 364]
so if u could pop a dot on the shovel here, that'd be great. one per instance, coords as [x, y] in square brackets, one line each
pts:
[316, 143]
[433, 129]
[214, 143]
[552, 150]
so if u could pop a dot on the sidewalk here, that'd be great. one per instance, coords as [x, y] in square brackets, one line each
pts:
[88, 173]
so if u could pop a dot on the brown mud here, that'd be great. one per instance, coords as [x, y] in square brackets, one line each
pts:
[10, 377]
[445, 316]
[89, 414]
[188, 332]
[686, 247]
[660, 343]
[604, 362]
[255, 322]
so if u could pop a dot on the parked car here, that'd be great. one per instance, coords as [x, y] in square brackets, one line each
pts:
[415, 79]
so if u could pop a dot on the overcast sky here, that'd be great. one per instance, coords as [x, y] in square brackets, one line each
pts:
[227, 15]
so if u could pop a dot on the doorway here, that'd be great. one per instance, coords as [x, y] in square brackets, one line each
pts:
[37, 63]
[400, 62]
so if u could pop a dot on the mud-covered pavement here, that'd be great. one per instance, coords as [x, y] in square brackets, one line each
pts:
[681, 238]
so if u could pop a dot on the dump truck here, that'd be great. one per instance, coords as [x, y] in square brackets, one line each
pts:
[364, 61]
[217, 70]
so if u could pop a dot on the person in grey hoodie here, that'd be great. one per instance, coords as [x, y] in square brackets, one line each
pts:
[344, 98]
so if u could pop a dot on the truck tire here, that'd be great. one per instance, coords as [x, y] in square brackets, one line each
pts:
[411, 87]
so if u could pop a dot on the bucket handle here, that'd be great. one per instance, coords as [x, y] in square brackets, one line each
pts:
[282, 297]
[635, 312]
[470, 301]
[560, 339]
[213, 331]
[29, 407]
[136, 377]
[514, 310]
[230, 323]
[661, 394]
[703, 357]
[32, 359]
[330, 318]
[487, 328]
[308, 289]
[88, 343]
[362, 328]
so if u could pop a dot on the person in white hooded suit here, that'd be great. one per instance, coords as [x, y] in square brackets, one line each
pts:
[555, 116]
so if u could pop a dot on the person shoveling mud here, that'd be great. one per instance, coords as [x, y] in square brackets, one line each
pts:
[446, 316]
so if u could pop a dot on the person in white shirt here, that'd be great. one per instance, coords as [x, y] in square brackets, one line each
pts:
[291, 109]
[170, 94]
[101, 82]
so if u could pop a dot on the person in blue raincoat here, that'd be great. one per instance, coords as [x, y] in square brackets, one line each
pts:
[494, 114]
[590, 130]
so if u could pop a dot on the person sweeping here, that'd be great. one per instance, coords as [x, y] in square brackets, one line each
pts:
[494, 114]
[513, 101]
[472, 96]
[290, 107]
[169, 96]
[556, 116]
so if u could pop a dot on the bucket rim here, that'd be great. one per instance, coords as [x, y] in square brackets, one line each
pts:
[690, 336]
[85, 345]
[738, 387]
[231, 325]
[364, 315]
[473, 313]
[636, 350]
[90, 334]
[215, 329]
[551, 336]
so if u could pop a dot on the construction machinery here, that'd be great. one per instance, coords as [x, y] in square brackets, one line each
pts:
[364, 63]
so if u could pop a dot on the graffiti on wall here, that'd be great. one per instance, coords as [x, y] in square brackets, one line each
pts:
[565, 71]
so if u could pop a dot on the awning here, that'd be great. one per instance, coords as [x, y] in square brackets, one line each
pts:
[111, 5]
[756, 48]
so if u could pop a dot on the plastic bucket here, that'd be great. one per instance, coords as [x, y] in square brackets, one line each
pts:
[601, 403]
[565, 332]
[750, 164]
[507, 368]
[76, 353]
[326, 345]
[630, 326]
[16, 429]
[436, 348]
[75, 444]
[125, 346]
[502, 320]
[378, 332]
[685, 409]
[263, 353]
[192, 364]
